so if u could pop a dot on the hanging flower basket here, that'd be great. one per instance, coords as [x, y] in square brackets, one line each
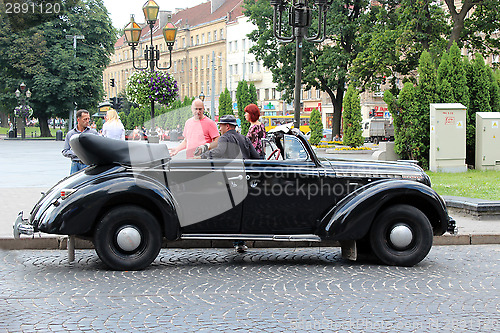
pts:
[146, 86]
[23, 111]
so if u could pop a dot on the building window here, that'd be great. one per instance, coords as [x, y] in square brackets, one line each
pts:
[201, 87]
[230, 69]
[197, 39]
[250, 67]
[183, 42]
[208, 61]
[220, 58]
[318, 94]
[215, 35]
[221, 33]
[230, 47]
[236, 69]
[208, 37]
[192, 43]
[203, 38]
[273, 93]
[235, 45]
[266, 94]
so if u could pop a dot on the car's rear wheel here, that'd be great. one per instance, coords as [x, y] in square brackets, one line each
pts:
[128, 238]
[401, 235]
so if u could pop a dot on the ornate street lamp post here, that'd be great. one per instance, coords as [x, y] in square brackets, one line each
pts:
[21, 97]
[299, 14]
[151, 54]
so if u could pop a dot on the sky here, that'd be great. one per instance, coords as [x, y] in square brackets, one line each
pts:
[120, 10]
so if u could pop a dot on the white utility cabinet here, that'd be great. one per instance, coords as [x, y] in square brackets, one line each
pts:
[447, 137]
[487, 141]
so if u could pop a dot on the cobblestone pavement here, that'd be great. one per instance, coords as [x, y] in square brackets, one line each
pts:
[456, 288]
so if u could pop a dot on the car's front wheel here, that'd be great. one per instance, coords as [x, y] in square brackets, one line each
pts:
[128, 238]
[401, 235]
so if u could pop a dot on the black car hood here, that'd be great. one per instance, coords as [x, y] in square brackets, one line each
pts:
[376, 169]
[97, 150]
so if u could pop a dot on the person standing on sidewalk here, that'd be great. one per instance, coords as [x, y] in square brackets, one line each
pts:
[198, 130]
[113, 127]
[82, 126]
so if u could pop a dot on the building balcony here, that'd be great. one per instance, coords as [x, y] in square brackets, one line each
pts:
[255, 77]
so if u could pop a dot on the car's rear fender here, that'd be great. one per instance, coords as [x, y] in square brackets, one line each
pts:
[79, 213]
[352, 217]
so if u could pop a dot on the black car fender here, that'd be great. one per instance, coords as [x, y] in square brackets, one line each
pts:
[88, 204]
[353, 216]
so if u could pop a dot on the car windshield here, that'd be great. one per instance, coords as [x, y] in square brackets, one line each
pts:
[294, 150]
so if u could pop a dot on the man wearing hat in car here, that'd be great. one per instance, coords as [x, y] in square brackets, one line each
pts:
[231, 143]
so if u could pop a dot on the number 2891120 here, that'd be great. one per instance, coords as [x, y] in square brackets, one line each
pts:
[32, 8]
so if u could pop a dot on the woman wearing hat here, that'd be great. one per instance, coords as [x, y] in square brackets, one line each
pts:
[257, 131]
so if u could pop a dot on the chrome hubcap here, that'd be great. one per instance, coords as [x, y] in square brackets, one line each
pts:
[401, 236]
[128, 238]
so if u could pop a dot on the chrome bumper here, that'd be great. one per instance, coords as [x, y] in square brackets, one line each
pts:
[452, 226]
[22, 227]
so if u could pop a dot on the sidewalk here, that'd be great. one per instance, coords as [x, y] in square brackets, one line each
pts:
[478, 222]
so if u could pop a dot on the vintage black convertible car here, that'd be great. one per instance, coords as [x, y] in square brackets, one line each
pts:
[134, 195]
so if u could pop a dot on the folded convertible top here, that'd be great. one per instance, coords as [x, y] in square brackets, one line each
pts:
[97, 150]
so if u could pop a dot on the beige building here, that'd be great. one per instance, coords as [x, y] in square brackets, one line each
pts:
[200, 47]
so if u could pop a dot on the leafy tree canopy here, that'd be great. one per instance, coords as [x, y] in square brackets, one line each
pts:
[43, 56]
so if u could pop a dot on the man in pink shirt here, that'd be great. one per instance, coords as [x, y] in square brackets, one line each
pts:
[198, 130]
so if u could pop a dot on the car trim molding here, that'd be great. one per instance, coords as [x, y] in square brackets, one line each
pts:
[279, 238]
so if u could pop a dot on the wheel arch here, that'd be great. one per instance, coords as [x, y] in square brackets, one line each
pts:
[95, 200]
[353, 216]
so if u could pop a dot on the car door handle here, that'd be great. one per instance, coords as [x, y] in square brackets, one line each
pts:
[240, 177]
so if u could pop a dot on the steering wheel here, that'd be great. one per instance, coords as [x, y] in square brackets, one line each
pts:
[275, 152]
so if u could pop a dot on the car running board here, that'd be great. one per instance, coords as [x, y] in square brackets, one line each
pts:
[254, 237]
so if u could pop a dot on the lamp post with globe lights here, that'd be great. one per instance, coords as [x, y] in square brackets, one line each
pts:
[152, 55]
[22, 97]
[299, 13]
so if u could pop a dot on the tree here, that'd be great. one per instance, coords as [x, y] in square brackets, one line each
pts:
[475, 25]
[325, 67]
[478, 80]
[252, 91]
[316, 127]
[45, 60]
[427, 93]
[404, 112]
[456, 76]
[395, 36]
[243, 99]
[353, 133]
[225, 103]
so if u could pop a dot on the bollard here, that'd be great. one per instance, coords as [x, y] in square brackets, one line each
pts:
[59, 135]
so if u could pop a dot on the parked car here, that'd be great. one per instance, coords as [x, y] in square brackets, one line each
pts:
[134, 195]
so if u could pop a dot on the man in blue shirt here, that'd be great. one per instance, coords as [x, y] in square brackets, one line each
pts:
[82, 126]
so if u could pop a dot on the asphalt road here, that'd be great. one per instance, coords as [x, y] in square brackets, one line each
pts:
[455, 289]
